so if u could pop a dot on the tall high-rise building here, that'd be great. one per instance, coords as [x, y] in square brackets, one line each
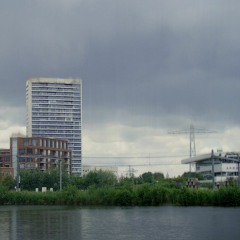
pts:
[54, 109]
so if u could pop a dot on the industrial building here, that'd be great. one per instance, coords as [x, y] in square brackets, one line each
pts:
[222, 166]
[28, 153]
[54, 109]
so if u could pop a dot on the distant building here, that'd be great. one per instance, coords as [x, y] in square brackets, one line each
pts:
[90, 168]
[34, 153]
[54, 109]
[226, 165]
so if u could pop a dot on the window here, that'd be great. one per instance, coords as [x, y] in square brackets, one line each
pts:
[29, 151]
[34, 142]
[25, 142]
[7, 159]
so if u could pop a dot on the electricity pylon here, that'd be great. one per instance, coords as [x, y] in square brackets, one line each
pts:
[191, 132]
[131, 171]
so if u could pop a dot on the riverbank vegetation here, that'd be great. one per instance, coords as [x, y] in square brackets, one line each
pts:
[104, 189]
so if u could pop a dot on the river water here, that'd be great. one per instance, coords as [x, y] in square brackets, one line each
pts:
[116, 223]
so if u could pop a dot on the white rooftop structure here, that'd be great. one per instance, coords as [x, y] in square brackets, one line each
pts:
[224, 165]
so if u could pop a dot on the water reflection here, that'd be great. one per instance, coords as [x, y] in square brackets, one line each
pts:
[57, 222]
[39, 222]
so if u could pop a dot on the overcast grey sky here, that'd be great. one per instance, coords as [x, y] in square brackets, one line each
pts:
[148, 66]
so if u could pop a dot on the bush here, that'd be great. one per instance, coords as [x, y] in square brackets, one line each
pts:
[99, 179]
[69, 194]
[9, 182]
[3, 194]
[143, 194]
[123, 198]
[159, 195]
[227, 197]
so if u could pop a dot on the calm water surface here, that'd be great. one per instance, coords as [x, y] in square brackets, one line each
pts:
[47, 222]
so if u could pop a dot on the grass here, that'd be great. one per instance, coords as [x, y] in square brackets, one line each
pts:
[140, 195]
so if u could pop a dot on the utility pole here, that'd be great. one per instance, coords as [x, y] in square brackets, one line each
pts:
[18, 176]
[238, 172]
[191, 131]
[213, 172]
[60, 162]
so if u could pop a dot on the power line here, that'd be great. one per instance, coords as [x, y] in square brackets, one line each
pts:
[139, 165]
[143, 157]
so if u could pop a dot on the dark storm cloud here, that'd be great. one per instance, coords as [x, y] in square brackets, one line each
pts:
[141, 58]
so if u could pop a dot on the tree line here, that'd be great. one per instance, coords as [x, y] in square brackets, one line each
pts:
[101, 188]
[30, 180]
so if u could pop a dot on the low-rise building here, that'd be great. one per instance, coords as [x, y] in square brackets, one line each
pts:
[5, 163]
[222, 165]
[35, 153]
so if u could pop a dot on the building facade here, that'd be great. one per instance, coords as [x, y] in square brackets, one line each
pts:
[54, 109]
[222, 166]
[5, 163]
[45, 154]
[27, 153]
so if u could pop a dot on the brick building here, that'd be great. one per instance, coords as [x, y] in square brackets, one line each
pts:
[35, 153]
[5, 163]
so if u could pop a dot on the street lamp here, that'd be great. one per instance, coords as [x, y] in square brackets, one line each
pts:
[213, 174]
[60, 177]
[238, 171]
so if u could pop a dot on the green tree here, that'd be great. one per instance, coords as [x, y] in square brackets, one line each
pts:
[77, 181]
[129, 181]
[149, 177]
[99, 179]
[30, 180]
[8, 182]
[158, 176]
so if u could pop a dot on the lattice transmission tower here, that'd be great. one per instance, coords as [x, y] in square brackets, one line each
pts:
[191, 131]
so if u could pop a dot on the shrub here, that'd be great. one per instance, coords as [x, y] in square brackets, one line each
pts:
[123, 198]
[227, 197]
[159, 195]
[3, 194]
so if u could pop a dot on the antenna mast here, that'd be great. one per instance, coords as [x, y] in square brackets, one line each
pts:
[192, 152]
[191, 132]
